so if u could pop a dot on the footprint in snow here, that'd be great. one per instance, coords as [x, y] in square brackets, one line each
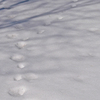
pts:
[17, 58]
[17, 77]
[30, 76]
[21, 44]
[11, 36]
[21, 65]
[17, 91]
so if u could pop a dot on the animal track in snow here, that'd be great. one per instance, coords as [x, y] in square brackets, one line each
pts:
[11, 36]
[17, 91]
[18, 77]
[21, 65]
[30, 76]
[21, 45]
[18, 58]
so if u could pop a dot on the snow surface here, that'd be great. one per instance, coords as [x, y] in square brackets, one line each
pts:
[49, 49]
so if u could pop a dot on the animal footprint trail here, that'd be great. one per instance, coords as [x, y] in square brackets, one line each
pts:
[20, 90]
[29, 77]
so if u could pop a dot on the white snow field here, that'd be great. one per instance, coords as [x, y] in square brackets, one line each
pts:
[49, 49]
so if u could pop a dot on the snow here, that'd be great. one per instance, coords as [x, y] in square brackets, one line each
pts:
[49, 50]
